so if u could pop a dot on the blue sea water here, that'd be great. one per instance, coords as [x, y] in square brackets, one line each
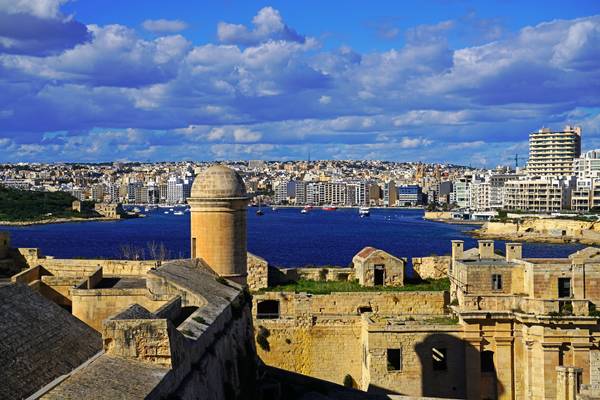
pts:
[284, 237]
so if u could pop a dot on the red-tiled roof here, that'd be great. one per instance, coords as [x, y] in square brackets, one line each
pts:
[366, 252]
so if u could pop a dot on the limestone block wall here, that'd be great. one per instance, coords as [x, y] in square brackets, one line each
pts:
[292, 305]
[323, 347]
[96, 305]
[258, 273]
[416, 376]
[434, 267]
[365, 268]
[109, 267]
[479, 279]
[438, 215]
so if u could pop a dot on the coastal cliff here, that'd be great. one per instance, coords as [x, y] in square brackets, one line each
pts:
[550, 230]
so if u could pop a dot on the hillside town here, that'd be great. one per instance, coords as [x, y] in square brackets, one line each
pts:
[556, 177]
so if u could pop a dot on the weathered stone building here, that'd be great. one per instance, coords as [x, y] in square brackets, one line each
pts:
[504, 327]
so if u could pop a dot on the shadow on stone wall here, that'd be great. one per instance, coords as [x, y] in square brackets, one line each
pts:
[293, 386]
[444, 369]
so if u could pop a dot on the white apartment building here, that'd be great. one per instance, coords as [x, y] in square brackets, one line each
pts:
[551, 153]
[586, 195]
[538, 194]
[281, 192]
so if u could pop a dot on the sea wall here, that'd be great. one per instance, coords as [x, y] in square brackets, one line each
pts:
[438, 215]
[542, 230]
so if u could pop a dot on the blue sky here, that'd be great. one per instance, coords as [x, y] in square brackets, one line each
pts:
[438, 81]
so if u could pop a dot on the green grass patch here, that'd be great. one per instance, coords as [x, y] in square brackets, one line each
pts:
[326, 287]
[25, 205]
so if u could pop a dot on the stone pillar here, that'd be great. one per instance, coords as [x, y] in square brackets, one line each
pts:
[529, 383]
[581, 359]
[547, 371]
[504, 367]
[473, 367]
[567, 382]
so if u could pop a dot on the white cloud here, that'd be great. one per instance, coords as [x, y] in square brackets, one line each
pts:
[245, 135]
[325, 99]
[38, 8]
[164, 25]
[268, 24]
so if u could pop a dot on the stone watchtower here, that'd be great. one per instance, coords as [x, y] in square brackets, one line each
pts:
[218, 221]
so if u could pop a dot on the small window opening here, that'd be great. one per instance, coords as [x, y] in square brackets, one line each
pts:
[487, 361]
[394, 359]
[438, 356]
[267, 309]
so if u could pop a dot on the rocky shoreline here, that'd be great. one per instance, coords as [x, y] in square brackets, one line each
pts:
[541, 230]
[55, 221]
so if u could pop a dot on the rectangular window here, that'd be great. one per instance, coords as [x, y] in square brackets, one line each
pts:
[394, 359]
[564, 287]
[438, 357]
[487, 361]
[496, 282]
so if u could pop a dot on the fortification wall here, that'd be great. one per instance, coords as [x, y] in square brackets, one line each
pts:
[109, 267]
[415, 376]
[438, 215]
[433, 267]
[326, 348]
[389, 303]
[95, 305]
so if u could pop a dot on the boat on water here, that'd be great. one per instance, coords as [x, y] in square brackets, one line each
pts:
[170, 209]
[178, 213]
[136, 209]
[274, 208]
[166, 212]
[364, 211]
[329, 208]
[259, 211]
[304, 211]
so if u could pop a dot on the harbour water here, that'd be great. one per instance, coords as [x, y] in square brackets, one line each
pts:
[284, 237]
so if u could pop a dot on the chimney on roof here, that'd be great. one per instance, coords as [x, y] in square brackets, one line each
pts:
[458, 247]
[486, 249]
[514, 251]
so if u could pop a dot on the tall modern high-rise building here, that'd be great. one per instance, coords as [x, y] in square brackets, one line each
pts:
[551, 153]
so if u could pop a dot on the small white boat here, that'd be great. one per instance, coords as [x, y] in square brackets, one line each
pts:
[178, 213]
[166, 212]
[170, 209]
[136, 209]
[274, 208]
[304, 211]
[364, 211]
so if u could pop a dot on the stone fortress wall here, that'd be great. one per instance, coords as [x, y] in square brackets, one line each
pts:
[508, 327]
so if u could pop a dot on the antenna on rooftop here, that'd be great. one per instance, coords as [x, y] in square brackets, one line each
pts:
[516, 161]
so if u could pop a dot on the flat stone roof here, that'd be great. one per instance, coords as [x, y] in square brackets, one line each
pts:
[547, 260]
[39, 341]
[110, 378]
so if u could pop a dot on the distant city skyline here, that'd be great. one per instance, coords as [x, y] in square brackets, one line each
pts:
[460, 82]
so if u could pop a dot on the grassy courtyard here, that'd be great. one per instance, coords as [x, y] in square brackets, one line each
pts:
[326, 287]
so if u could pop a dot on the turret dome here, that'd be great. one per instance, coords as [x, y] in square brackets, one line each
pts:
[218, 182]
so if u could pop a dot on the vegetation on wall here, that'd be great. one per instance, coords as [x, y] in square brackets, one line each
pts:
[26, 205]
[326, 287]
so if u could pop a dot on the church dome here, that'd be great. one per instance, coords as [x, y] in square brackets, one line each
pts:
[218, 182]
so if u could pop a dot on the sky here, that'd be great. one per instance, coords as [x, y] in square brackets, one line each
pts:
[436, 80]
